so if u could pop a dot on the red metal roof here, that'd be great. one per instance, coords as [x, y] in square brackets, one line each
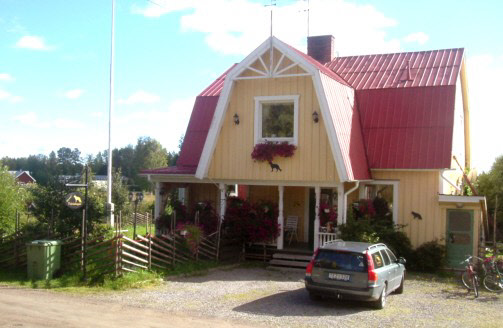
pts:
[398, 70]
[408, 128]
[318, 65]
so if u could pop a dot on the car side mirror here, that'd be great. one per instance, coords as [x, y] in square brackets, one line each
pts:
[401, 260]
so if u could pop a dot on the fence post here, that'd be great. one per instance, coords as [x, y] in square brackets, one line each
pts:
[218, 239]
[173, 233]
[16, 253]
[149, 252]
[152, 219]
[495, 227]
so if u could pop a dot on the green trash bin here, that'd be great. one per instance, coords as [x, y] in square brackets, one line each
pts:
[44, 258]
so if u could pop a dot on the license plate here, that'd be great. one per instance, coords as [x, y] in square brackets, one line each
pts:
[338, 276]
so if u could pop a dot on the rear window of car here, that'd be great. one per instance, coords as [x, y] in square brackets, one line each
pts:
[347, 261]
[385, 257]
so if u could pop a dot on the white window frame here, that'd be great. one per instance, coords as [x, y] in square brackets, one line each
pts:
[271, 100]
[394, 183]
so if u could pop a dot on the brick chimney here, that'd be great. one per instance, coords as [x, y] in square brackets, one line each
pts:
[321, 48]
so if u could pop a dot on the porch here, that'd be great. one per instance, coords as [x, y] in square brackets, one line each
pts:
[312, 209]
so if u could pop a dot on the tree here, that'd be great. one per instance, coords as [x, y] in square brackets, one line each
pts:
[149, 154]
[12, 198]
[490, 184]
[120, 193]
[69, 161]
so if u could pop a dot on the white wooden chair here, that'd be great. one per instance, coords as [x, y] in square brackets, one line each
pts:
[291, 228]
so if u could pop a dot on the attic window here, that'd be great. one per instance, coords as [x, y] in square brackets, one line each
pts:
[276, 119]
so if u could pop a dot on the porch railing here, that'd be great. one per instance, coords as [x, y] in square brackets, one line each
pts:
[325, 237]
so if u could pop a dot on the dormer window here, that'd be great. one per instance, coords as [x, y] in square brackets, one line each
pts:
[276, 118]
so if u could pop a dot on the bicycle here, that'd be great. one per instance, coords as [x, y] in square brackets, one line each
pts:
[493, 279]
[469, 278]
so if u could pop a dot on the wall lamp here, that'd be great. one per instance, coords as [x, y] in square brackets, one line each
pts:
[236, 119]
[315, 117]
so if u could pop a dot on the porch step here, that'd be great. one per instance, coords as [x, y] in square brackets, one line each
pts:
[289, 260]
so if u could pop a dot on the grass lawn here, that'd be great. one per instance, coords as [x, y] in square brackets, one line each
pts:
[73, 282]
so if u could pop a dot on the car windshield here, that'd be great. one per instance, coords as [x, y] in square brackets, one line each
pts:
[336, 260]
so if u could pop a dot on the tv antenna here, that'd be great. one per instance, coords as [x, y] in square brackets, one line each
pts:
[272, 4]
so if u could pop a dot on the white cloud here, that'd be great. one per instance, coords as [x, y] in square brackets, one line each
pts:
[7, 96]
[31, 119]
[486, 110]
[164, 124]
[419, 37]
[238, 26]
[5, 77]
[140, 97]
[74, 94]
[32, 42]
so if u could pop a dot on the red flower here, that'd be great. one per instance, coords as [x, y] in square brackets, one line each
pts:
[265, 152]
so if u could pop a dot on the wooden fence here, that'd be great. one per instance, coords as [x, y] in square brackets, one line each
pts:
[121, 254]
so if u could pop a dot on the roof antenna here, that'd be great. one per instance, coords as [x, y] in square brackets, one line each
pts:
[273, 3]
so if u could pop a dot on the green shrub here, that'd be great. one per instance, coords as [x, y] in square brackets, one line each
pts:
[360, 230]
[373, 231]
[429, 257]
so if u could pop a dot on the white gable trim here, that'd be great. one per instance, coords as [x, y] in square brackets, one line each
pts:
[218, 117]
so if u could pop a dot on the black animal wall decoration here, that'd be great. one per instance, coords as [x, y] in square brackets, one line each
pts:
[274, 167]
[416, 215]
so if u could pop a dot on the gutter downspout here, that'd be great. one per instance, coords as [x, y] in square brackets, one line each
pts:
[346, 200]
[449, 181]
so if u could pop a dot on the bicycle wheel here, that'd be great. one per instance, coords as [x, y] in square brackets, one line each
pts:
[475, 283]
[467, 280]
[492, 282]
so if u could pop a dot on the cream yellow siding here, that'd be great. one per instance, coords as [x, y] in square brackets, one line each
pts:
[418, 192]
[313, 160]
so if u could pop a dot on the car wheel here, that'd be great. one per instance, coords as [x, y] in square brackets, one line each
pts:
[381, 302]
[314, 297]
[399, 290]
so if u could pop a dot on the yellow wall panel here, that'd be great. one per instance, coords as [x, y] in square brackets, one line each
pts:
[313, 159]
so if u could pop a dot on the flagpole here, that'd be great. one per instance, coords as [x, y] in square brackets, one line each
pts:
[110, 206]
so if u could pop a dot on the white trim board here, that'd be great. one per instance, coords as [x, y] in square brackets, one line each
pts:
[460, 199]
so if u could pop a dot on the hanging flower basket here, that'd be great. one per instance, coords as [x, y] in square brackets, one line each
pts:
[265, 152]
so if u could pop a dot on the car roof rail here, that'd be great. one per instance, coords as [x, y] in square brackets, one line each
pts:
[376, 245]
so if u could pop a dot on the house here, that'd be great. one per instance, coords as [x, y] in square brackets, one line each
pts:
[393, 125]
[23, 177]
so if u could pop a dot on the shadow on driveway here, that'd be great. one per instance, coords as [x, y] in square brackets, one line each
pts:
[297, 303]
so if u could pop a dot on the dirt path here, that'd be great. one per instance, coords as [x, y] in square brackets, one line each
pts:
[20, 307]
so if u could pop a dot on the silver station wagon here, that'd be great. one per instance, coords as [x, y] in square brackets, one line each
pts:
[356, 271]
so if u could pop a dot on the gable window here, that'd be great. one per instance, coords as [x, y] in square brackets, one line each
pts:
[276, 118]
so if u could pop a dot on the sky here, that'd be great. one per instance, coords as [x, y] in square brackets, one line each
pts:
[55, 61]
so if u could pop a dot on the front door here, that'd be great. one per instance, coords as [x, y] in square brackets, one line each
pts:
[459, 236]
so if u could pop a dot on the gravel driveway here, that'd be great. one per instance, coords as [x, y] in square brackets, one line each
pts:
[272, 298]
